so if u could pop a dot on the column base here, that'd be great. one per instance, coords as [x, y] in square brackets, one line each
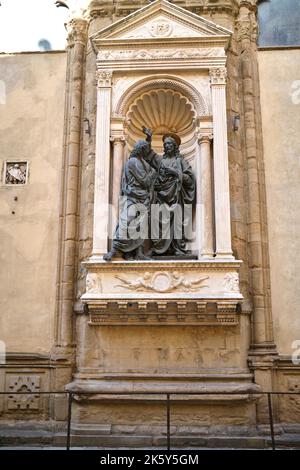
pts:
[224, 255]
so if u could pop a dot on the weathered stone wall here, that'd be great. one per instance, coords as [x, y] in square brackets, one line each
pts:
[280, 104]
[32, 122]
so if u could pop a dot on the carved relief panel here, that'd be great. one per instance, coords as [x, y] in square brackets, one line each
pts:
[15, 172]
[20, 401]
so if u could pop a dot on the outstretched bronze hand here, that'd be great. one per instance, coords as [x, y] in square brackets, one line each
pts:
[148, 133]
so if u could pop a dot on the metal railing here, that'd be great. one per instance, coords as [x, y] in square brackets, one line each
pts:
[168, 401]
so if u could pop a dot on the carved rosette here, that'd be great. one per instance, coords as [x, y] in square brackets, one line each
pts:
[161, 29]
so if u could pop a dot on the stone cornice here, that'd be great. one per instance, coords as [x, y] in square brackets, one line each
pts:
[239, 389]
[33, 360]
[122, 8]
[98, 264]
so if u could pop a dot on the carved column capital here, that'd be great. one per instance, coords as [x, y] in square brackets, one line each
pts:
[218, 76]
[204, 138]
[250, 4]
[246, 24]
[104, 78]
[117, 139]
[77, 31]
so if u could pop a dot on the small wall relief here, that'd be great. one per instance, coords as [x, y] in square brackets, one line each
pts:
[16, 172]
[22, 383]
[231, 282]
[93, 284]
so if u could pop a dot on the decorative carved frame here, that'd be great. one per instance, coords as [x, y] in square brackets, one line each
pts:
[203, 54]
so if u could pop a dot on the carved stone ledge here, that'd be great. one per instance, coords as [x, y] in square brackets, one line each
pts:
[240, 387]
[163, 313]
[162, 292]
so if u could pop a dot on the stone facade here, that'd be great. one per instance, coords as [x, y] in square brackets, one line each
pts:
[198, 326]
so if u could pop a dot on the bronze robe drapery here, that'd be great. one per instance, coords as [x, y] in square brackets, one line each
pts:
[172, 193]
[132, 228]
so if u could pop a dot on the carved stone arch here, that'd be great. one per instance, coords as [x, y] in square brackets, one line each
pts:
[163, 82]
[163, 110]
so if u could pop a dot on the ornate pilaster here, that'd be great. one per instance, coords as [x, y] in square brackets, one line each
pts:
[205, 196]
[221, 174]
[118, 142]
[77, 38]
[262, 326]
[102, 163]
[247, 27]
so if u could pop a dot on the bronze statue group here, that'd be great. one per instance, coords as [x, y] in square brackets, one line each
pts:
[159, 189]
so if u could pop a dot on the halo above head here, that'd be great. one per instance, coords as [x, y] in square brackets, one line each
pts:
[174, 136]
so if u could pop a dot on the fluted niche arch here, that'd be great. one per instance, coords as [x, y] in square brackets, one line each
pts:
[163, 82]
[166, 104]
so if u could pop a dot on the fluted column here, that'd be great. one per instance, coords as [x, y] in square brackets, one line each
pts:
[221, 173]
[77, 37]
[102, 164]
[262, 334]
[118, 158]
[206, 196]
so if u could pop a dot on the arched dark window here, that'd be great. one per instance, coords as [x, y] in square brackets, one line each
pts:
[279, 23]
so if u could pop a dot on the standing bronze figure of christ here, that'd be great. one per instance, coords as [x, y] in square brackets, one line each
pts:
[174, 195]
[155, 205]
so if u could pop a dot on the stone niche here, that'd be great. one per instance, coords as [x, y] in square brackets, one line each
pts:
[147, 323]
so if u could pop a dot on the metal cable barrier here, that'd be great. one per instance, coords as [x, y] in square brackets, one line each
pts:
[168, 400]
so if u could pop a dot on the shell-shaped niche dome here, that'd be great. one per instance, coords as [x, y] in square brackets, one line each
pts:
[163, 111]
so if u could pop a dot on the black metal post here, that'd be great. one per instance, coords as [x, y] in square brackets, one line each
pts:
[168, 422]
[69, 420]
[271, 420]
